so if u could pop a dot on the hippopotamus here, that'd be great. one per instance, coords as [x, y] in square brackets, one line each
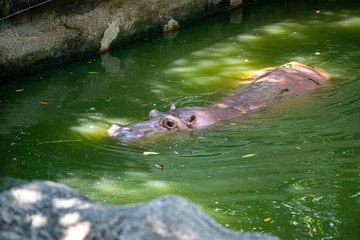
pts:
[288, 80]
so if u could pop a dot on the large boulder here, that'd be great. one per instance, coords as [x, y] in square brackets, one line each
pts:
[35, 34]
[48, 210]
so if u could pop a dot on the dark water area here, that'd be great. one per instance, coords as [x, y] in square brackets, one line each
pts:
[292, 170]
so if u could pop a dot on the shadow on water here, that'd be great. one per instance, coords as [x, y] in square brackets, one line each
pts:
[292, 170]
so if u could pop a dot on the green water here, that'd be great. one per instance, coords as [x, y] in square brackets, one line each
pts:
[296, 163]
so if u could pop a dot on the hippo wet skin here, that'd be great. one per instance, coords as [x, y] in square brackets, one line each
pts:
[288, 80]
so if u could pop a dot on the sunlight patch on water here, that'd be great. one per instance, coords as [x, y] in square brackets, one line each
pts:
[184, 69]
[351, 22]
[248, 37]
[288, 29]
[96, 125]
[211, 71]
[131, 185]
[158, 185]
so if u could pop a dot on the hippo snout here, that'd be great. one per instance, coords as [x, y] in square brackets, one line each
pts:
[115, 128]
[118, 128]
[131, 131]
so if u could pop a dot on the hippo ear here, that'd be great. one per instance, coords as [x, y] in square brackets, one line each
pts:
[190, 122]
[172, 107]
[154, 113]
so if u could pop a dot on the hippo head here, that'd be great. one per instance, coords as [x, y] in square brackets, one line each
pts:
[185, 119]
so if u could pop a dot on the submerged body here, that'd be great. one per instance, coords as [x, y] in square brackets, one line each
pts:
[285, 81]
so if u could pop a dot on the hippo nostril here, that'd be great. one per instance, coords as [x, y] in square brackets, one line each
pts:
[125, 129]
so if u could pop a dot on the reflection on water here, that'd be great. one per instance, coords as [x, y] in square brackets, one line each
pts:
[292, 170]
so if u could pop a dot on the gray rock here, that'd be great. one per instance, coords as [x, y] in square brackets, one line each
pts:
[48, 210]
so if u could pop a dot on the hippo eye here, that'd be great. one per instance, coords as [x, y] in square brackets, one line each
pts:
[170, 124]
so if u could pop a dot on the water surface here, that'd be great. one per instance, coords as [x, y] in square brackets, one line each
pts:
[292, 171]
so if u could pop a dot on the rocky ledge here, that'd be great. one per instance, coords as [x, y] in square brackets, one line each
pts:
[35, 34]
[49, 210]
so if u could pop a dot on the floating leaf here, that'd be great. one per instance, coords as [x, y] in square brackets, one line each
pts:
[267, 219]
[44, 103]
[92, 72]
[19, 90]
[176, 152]
[233, 124]
[150, 153]
[249, 155]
